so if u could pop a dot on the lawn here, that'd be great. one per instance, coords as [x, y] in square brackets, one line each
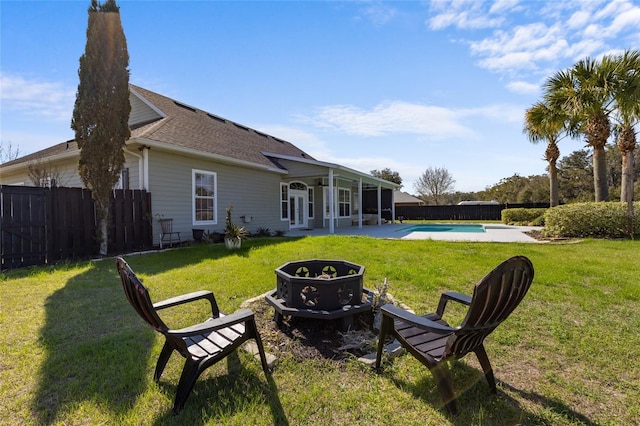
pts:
[73, 351]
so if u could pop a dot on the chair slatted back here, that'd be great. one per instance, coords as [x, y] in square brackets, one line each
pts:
[494, 298]
[138, 296]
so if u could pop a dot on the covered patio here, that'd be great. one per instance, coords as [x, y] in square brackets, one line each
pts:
[336, 196]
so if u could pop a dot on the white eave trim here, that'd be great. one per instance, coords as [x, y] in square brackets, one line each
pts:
[206, 155]
[332, 166]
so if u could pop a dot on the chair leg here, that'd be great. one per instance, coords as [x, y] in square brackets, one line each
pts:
[481, 353]
[188, 378]
[384, 327]
[442, 375]
[263, 357]
[165, 354]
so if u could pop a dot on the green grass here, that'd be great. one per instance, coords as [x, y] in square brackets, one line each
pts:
[73, 351]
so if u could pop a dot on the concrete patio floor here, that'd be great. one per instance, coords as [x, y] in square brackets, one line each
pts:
[494, 232]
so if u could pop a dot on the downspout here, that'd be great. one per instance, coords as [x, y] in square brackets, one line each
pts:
[331, 203]
[145, 159]
[140, 167]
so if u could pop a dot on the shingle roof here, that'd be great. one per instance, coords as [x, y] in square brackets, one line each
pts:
[190, 127]
[61, 148]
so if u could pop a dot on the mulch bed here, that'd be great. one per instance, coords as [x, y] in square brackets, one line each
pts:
[307, 338]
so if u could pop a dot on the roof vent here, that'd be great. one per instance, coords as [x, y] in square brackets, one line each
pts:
[279, 140]
[241, 126]
[215, 117]
[261, 134]
[185, 106]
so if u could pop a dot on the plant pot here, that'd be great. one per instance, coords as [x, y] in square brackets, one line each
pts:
[197, 234]
[232, 243]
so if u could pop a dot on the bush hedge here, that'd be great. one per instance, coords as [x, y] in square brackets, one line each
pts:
[598, 220]
[522, 216]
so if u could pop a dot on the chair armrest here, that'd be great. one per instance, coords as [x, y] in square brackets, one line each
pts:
[215, 324]
[395, 312]
[190, 297]
[452, 295]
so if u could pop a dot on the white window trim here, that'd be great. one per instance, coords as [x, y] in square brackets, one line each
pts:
[193, 197]
[284, 201]
[336, 203]
[348, 202]
[311, 204]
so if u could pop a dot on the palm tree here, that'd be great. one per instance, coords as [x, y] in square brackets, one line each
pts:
[626, 93]
[583, 93]
[543, 123]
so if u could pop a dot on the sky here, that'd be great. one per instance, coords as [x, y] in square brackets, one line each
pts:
[404, 85]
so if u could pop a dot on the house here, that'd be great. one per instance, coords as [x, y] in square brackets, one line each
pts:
[403, 199]
[195, 164]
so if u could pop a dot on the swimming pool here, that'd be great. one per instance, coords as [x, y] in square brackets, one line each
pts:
[446, 227]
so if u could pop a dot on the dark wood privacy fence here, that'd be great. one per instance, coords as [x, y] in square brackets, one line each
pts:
[473, 212]
[464, 212]
[45, 225]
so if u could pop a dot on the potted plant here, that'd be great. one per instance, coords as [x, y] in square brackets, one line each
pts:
[233, 233]
[197, 234]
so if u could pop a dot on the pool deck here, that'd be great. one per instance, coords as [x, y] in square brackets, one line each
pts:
[495, 232]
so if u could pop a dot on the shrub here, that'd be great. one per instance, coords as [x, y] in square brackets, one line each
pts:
[263, 232]
[521, 216]
[599, 220]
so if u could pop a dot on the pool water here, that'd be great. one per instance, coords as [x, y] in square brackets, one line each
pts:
[444, 227]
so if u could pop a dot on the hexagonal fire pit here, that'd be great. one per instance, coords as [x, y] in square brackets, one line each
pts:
[323, 289]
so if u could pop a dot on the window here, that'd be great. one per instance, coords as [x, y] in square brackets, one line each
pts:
[344, 202]
[204, 186]
[311, 205]
[124, 178]
[284, 201]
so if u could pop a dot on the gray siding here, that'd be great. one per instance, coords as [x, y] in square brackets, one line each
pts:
[299, 171]
[251, 192]
[141, 112]
[67, 170]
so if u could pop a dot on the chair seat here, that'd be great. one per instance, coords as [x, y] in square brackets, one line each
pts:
[433, 342]
[203, 344]
[424, 341]
[211, 344]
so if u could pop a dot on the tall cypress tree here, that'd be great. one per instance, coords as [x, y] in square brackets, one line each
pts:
[101, 112]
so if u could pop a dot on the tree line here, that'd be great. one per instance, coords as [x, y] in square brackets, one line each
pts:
[574, 175]
[593, 100]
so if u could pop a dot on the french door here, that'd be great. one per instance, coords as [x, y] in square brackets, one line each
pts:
[298, 209]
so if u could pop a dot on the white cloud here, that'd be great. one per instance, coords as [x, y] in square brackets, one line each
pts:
[500, 6]
[48, 100]
[393, 117]
[547, 35]
[578, 20]
[379, 13]
[464, 15]
[523, 87]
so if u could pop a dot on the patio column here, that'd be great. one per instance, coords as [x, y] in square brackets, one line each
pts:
[393, 206]
[379, 204]
[360, 204]
[331, 203]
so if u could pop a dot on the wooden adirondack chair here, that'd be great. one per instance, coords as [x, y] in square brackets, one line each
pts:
[202, 345]
[433, 341]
